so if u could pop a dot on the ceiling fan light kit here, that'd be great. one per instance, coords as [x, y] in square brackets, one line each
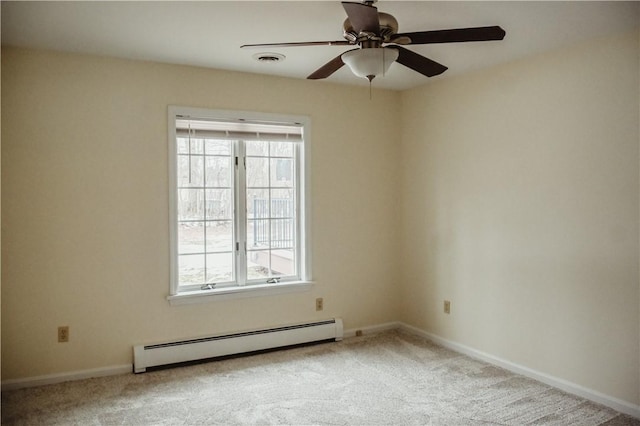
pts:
[368, 63]
[379, 44]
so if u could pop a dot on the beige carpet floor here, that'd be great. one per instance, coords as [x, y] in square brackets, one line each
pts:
[390, 378]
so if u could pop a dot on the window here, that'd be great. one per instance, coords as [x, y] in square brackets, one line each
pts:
[239, 202]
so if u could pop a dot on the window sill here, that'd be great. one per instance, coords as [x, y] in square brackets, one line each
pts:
[227, 293]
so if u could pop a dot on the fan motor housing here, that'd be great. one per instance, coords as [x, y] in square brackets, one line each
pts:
[388, 27]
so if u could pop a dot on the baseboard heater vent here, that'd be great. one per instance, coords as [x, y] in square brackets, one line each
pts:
[145, 356]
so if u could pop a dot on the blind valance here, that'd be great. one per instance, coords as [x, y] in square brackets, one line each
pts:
[238, 130]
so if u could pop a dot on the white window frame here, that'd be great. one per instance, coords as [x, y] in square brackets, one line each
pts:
[304, 222]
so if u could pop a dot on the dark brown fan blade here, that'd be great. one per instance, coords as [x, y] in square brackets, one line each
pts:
[419, 63]
[453, 36]
[327, 69]
[362, 17]
[301, 43]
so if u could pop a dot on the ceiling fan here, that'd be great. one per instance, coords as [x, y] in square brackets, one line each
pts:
[379, 44]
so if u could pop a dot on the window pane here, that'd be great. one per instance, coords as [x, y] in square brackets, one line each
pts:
[182, 145]
[191, 237]
[258, 233]
[263, 264]
[258, 204]
[218, 172]
[257, 172]
[219, 267]
[194, 146]
[191, 269]
[283, 262]
[282, 203]
[257, 265]
[257, 148]
[271, 213]
[190, 204]
[214, 147]
[282, 234]
[219, 204]
[281, 149]
[197, 146]
[190, 170]
[282, 172]
[219, 236]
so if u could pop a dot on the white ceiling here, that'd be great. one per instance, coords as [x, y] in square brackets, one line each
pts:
[210, 33]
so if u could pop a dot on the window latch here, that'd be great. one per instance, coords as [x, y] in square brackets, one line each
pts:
[208, 286]
[273, 280]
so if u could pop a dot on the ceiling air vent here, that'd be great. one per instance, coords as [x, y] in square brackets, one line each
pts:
[269, 58]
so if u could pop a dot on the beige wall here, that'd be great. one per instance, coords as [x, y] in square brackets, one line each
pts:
[520, 206]
[85, 222]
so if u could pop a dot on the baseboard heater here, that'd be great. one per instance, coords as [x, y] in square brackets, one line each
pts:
[145, 356]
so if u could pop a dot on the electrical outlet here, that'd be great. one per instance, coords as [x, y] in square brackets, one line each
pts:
[447, 307]
[63, 334]
[319, 304]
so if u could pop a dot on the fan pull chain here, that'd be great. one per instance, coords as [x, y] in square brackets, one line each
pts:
[189, 156]
[383, 52]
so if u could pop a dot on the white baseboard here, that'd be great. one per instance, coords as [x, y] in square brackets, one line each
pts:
[51, 379]
[564, 385]
[373, 328]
